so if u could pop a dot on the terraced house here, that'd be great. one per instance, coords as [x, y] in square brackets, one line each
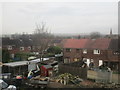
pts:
[17, 45]
[98, 51]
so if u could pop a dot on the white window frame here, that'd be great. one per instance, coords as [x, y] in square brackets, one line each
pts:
[85, 51]
[116, 52]
[67, 60]
[100, 62]
[96, 51]
[22, 48]
[29, 47]
[9, 47]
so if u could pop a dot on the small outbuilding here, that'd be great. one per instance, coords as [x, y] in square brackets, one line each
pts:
[46, 70]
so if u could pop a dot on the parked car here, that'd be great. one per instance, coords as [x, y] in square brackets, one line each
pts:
[5, 86]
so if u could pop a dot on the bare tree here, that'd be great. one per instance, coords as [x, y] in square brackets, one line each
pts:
[42, 39]
[95, 35]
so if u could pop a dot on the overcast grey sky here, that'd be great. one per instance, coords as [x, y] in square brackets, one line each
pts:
[62, 17]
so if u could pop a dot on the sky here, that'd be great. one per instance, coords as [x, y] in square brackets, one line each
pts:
[60, 17]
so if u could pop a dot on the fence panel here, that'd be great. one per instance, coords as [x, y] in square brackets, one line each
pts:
[104, 76]
[78, 71]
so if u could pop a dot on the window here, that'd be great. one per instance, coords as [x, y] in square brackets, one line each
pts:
[12, 55]
[21, 48]
[9, 47]
[116, 52]
[68, 50]
[96, 51]
[77, 50]
[67, 60]
[33, 47]
[29, 48]
[85, 51]
[76, 59]
[100, 62]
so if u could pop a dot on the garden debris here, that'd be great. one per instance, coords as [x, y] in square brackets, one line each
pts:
[38, 81]
[66, 78]
[40, 78]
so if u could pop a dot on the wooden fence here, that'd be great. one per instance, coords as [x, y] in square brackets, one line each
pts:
[77, 71]
[103, 76]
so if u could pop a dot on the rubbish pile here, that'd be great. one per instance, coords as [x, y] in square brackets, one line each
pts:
[40, 78]
[68, 78]
[38, 81]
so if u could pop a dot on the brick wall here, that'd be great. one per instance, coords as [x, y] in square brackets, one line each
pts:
[72, 54]
[105, 55]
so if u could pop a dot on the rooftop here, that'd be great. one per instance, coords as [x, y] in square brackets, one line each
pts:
[13, 64]
[101, 43]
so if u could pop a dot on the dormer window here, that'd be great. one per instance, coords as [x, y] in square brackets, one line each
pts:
[21, 48]
[84, 51]
[96, 51]
[9, 47]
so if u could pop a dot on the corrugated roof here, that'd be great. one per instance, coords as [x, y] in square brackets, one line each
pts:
[20, 63]
[13, 64]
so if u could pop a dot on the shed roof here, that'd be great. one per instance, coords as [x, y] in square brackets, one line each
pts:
[21, 63]
[47, 66]
[13, 64]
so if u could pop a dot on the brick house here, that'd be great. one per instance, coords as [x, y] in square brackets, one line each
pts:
[16, 45]
[72, 49]
[99, 51]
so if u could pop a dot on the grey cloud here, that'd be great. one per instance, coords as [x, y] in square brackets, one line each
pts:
[61, 17]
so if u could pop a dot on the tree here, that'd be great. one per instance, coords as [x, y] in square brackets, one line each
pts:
[5, 56]
[54, 50]
[22, 56]
[95, 35]
[42, 39]
[79, 36]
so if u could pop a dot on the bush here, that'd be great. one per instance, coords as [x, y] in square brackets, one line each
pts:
[54, 50]
[22, 56]
[5, 56]
[48, 55]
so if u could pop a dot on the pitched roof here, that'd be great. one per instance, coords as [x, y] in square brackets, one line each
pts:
[75, 43]
[101, 43]
[16, 42]
[114, 44]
